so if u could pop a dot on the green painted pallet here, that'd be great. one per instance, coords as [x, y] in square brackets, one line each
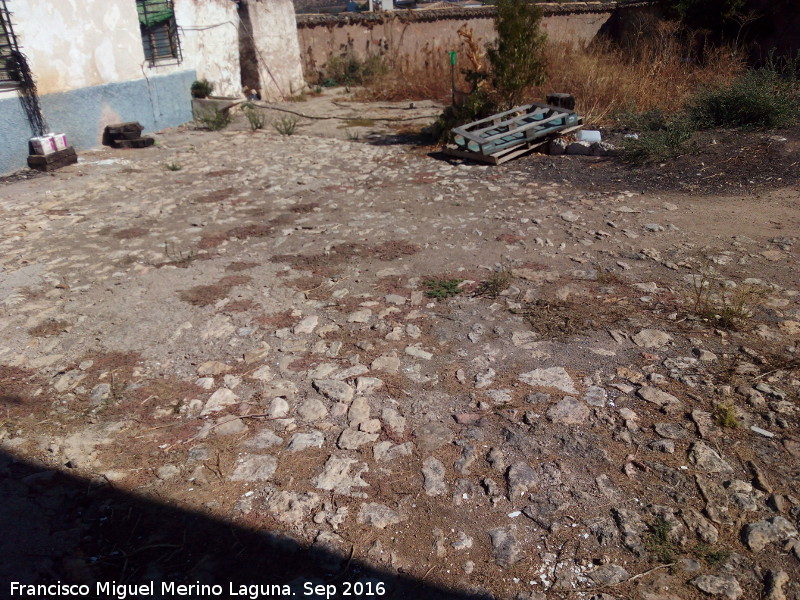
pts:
[508, 134]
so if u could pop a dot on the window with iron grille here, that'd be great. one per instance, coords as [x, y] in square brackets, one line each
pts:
[159, 31]
[10, 76]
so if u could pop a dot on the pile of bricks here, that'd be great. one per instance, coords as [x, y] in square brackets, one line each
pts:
[126, 135]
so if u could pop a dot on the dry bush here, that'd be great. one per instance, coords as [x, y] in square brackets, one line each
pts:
[659, 70]
[407, 79]
[656, 75]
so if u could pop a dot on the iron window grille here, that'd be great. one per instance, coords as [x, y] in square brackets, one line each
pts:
[10, 73]
[159, 32]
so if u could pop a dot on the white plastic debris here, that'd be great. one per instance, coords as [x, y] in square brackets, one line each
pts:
[588, 135]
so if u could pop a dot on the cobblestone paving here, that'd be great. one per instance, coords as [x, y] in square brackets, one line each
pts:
[257, 335]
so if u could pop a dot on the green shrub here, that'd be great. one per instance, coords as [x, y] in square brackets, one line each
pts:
[516, 62]
[442, 288]
[285, 125]
[256, 119]
[497, 283]
[725, 415]
[477, 105]
[657, 541]
[216, 120]
[710, 555]
[669, 140]
[760, 99]
[517, 58]
[202, 88]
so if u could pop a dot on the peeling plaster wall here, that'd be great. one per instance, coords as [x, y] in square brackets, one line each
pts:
[71, 44]
[274, 31]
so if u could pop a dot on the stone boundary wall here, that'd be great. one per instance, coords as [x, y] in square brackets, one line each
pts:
[412, 38]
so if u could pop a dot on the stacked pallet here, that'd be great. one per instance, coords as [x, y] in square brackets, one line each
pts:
[514, 132]
[126, 135]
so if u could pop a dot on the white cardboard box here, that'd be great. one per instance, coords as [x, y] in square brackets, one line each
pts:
[43, 145]
[60, 140]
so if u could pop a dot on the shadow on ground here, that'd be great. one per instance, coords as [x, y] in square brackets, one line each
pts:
[60, 528]
[418, 139]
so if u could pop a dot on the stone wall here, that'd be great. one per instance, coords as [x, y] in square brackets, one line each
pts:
[412, 37]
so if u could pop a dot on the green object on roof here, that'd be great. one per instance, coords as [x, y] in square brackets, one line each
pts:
[154, 12]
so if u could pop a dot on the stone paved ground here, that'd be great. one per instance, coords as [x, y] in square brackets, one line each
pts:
[253, 336]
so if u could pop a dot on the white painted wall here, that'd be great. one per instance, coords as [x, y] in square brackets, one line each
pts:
[71, 44]
[275, 34]
[209, 34]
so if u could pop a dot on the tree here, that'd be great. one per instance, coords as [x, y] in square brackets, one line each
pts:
[517, 58]
[719, 17]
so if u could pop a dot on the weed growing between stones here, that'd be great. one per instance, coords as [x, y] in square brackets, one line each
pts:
[724, 306]
[256, 119]
[725, 415]
[710, 556]
[442, 288]
[173, 166]
[178, 258]
[657, 540]
[285, 125]
[497, 283]
[48, 328]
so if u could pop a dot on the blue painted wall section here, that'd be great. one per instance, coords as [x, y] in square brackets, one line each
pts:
[156, 102]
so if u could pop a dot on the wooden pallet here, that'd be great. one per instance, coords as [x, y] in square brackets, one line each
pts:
[507, 154]
[511, 129]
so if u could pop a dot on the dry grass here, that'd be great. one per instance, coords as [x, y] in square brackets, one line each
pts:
[657, 72]
[49, 328]
[607, 80]
[715, 302]
[406, 80]
[432, 80]
[202, 295]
